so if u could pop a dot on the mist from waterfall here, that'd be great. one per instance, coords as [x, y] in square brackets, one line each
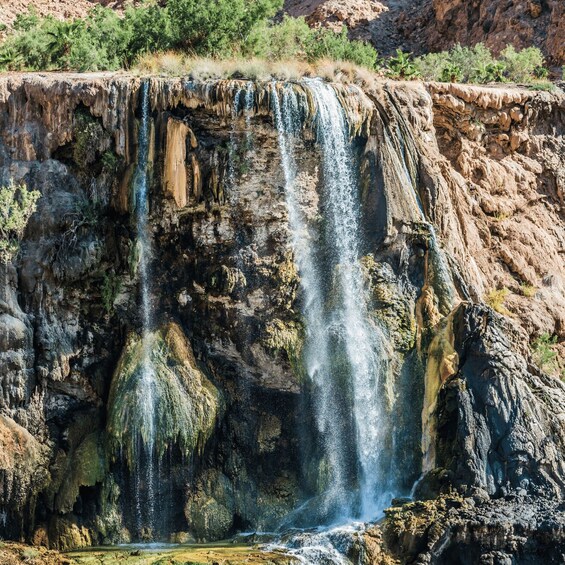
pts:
[344, 356]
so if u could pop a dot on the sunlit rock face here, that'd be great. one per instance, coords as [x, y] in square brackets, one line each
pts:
[318, 259]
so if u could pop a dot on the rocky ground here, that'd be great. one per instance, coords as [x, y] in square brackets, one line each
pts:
[454, 530]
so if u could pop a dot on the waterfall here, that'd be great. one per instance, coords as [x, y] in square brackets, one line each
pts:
[146, 469]
[248, 95]
[344, 356]
[317, 355]
[364, 341]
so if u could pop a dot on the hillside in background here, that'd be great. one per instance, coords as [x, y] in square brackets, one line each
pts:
[412, 25]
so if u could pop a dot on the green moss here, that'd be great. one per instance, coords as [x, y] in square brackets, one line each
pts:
[111, 162]
[389, 303]
[186, 402]
[111, 286]
[287, 337]
[88, 135]
[109, 519]
[87, 467]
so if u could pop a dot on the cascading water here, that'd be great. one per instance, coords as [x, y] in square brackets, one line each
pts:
[344, 356]
[364, 341]
[145, 470]
[317, 355]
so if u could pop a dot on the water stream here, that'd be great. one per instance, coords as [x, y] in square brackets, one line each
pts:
[344, 356]
[146, 467]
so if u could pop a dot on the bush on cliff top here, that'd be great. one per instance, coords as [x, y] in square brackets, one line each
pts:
[478, 65]
[207, 28]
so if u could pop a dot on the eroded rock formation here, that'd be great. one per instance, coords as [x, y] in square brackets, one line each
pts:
[461, 192]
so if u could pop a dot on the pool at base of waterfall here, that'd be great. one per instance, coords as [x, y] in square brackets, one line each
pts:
[338, 545]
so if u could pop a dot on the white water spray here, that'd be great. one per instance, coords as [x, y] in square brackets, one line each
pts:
[145, 474]
[317, 355]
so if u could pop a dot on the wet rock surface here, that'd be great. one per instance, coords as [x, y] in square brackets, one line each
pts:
[461, 193]
[457, 530]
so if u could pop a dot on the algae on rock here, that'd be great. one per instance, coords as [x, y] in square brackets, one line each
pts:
[186, 402]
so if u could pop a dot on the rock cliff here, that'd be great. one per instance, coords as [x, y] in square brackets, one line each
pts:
[462, 194]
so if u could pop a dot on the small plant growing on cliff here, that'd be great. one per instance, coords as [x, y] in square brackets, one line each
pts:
[544, 354]
[528, 290]
[17, 204]
[496, 299]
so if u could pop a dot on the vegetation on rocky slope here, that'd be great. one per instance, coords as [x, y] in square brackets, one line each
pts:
[174, 38]
[17, 204]
[221, 29]
[471, 64]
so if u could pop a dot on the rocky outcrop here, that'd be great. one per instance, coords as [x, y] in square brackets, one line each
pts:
[462, 531]
[335, 15]
[459, 186]
[498, 24]
[499, 421]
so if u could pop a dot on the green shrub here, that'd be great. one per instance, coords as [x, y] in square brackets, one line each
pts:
[524, 65]
[17, 204]
[401, 66]
[544, 353]
[459, 64]
[452, 73]
[217, 27]
[477, 64]
[292, 39]
[489, 72]
[330, 45]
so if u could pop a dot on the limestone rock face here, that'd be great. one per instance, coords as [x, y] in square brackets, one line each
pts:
[335, 15]
[500, 421]
[461, 192]
[453, 529]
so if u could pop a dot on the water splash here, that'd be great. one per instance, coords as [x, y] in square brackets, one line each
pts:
[319, 546]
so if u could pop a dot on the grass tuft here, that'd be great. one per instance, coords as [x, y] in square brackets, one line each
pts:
[496, 299]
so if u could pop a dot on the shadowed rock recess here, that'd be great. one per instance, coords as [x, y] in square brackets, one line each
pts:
[255, 306]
